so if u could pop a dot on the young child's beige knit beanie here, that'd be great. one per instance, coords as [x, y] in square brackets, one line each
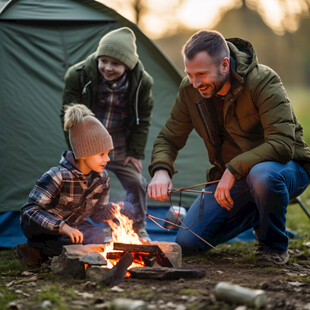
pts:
[121, 45]
[87, 135]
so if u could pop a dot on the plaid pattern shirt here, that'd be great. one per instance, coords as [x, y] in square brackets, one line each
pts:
[62, 195]
[111, 108]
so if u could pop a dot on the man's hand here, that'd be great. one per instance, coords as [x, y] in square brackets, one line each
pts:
[160, 185]
[137, 163]
[75, 235]
[222, 193]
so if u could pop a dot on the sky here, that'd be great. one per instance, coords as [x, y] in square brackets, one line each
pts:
[162, 16]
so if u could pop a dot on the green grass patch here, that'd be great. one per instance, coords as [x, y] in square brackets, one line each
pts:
[5, 296]
[9, 263]
[188, 291]
[57, 295]
[247, 258]
[51, 293]
[145, 291]
[297, 219]
[303, 278]
[300, 101]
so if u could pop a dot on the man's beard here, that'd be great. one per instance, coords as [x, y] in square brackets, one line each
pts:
[215, 87]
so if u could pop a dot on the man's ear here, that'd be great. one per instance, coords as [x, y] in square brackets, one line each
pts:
[225, 64]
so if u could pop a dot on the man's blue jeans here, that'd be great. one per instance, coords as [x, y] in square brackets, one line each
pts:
[260, 201]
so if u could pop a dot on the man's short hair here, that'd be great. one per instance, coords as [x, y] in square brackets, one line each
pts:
[210, 41]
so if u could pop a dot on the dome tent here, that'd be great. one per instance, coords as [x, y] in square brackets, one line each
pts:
[40, 39]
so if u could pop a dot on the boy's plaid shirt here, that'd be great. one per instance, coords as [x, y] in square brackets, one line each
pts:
[62, 195]
[111, 108]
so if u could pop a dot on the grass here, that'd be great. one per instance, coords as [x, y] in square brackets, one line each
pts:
[188, 291]
[297, 219]
[299, 98]
[9, 266]
[5, 295]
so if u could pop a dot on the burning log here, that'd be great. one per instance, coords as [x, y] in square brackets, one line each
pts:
[118, 272]
[148, 259]
[154, 250]
[115, 255]
[142, 248]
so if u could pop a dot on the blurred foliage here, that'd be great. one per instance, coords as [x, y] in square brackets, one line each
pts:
[288, 54]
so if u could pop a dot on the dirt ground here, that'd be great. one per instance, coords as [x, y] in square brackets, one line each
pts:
[286, 287]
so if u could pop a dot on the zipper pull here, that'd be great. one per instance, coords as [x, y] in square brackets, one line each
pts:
[84, 89]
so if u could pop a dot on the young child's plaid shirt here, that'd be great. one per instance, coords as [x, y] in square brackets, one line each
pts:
[62, 195]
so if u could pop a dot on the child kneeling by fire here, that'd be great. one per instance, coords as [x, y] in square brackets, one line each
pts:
[64, 197]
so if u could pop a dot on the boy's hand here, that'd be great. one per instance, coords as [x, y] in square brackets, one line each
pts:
[137, 163]
[75, 235]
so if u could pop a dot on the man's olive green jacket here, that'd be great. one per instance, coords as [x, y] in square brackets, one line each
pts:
[81, 86]
[257, 115]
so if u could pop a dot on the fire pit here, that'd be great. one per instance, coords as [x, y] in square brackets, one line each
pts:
[88, 261]
[94, 261]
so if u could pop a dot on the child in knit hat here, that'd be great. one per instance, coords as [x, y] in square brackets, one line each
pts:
[112, 82]
[64, 197]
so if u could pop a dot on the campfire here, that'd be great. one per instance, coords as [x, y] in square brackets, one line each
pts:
[125, 255]
[126, 248]
[122, 232]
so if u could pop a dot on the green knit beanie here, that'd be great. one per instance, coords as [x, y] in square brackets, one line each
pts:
[121, 45]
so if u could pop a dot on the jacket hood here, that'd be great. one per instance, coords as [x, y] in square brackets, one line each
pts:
[244, 54]
[68, 161]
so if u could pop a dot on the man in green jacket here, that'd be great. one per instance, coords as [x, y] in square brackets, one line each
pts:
[255, 145]
[112, 82]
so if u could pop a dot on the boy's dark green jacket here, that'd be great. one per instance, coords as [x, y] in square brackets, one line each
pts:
[81, 85]
[257, 115]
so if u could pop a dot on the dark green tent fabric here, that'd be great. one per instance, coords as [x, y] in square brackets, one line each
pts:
[39, 40]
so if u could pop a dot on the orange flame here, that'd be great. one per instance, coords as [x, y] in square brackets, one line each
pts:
[122, 232]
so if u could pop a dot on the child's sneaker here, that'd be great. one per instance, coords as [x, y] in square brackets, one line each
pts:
[142, 233]
[107, 234]
[30, 258]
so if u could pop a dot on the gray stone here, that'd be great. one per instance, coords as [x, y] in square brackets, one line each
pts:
[68, 262]
[75, 258]
[95, 273]
[165, 273]
[172, 250]
[93, 259]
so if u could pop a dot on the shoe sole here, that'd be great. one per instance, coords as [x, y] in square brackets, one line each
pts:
[272, 263]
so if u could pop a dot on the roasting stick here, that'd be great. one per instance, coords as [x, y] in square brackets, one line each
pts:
[189, 190]
[189, 187]
[152, 217]
[185, 189]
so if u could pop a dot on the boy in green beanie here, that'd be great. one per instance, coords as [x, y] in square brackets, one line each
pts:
[112, 82]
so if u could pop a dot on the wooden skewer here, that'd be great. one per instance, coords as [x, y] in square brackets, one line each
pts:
[193, 191]
[188, 187]
[152, 217]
